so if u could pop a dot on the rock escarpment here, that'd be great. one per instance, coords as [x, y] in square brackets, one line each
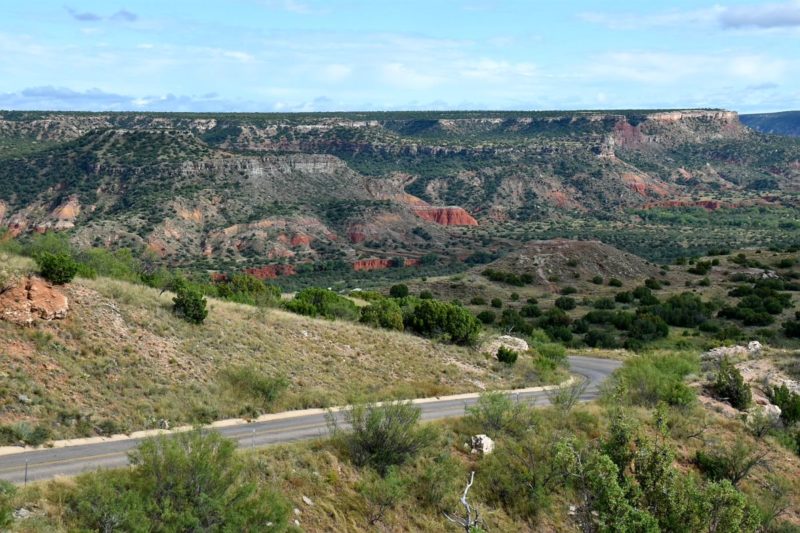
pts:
[32, 299]
[446, 216]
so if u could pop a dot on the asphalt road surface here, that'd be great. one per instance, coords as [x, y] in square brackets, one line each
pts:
[68, 461]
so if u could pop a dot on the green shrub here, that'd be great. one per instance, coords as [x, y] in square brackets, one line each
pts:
[245, 381]
[566, 291]
[729, 386]
[566, 303]
[384, 314]
[477, 300]
[7, 491]
[507, 355]
[497, 303]
[789, 403]
[398, 291]
[432, 318]
[382, 436]
[247, 289]
[732, 463]
[57, 268]
[624, 297]
[604, 303]
[315, 301]
[614, 282]
[487, 317]
[530, 311]
[190, 304]
[193, 481]
[597, 280]
[426, 295]
[514, 296]
[650, 379]
[382, 493]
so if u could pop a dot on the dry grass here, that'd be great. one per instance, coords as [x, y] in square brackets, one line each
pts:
[122, 357]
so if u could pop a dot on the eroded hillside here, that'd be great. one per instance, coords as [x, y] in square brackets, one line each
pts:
[282, 193]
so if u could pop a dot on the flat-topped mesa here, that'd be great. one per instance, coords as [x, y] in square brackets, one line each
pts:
[446, 216]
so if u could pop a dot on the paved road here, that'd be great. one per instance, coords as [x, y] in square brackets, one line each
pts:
[68, 461]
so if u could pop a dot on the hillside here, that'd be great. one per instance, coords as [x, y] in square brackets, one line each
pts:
[559, 259]
[358, 191]
[121, 360]
[784, 123]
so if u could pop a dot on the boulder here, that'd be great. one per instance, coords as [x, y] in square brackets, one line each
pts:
[32, 299]
[753, 349]
[512, 343]
[769, 411]
[482, 444]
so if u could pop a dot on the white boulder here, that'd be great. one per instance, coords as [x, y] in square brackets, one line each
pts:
[482, 444]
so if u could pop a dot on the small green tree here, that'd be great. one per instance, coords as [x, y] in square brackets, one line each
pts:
[384, 314]
[398, 291]
[729, 386]
[57, 268]
[190, 304]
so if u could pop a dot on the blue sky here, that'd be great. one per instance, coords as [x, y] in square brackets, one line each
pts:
[315, 55]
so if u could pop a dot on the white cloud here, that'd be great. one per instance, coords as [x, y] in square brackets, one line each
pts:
[759, 16]
[335, 72]
[498, 71]
[400, 75]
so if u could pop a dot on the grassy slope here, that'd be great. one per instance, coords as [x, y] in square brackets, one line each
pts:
[122, 356]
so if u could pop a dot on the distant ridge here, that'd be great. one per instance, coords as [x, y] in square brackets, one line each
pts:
[783, 123]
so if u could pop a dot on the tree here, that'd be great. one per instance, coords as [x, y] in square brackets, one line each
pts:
[729, 385]
[190, 305]
[432, 318]
[383, 313]
[566, 303]
[398, 291]
[57, 268]
[315, 301]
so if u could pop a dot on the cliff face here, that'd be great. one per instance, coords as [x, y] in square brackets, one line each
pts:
[269, 272]
[446, 216]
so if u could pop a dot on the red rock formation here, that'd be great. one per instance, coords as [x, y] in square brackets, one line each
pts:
[380, 264]
[711, 205]
[446, 216]
[371, 264]
[271, 271]
[357, 234]
[32, 299]
[300, 240]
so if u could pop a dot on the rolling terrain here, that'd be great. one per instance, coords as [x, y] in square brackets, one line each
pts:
[286, 195]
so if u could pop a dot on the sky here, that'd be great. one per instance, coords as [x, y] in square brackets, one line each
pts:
[349, 55]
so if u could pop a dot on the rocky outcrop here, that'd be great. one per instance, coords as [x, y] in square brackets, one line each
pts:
[446, 216]
[506, 341]
[710, 205]
[32, 299]
[380, 264]
[271, 271]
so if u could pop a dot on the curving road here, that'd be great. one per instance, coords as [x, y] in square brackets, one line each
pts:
[71, 460]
